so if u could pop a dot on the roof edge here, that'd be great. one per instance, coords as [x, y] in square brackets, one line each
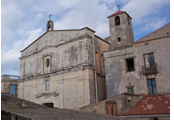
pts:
[117, 13]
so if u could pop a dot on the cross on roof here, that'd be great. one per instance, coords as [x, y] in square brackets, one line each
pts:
[118, 7]
[50, 16]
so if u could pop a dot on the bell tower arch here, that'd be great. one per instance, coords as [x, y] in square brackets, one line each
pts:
[49, 25]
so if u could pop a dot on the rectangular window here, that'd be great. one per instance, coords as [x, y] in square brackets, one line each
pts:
[130, 90]
[130, 64]
[149, 60]
[111, 108]
[119, 39]
[151, 84]
[12, 89]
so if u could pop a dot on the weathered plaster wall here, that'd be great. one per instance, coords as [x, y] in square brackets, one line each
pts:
[71, 70]
[68, 89]
[63, 57]
[5, 86]
[118, 79]
[161, 50]
[6, 81]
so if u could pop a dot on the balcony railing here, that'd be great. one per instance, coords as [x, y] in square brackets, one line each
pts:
[150, 70]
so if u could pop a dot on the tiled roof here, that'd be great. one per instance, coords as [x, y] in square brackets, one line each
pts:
[117, 13]
[150, 105]
[160, 33]
[27, 109]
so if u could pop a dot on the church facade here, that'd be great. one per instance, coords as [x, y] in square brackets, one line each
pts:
[63, 68]
[74, 68]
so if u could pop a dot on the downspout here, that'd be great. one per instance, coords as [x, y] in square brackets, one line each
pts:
[96, 89]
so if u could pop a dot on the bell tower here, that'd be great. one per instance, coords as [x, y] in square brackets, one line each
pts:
[50, 24]
[121, 32]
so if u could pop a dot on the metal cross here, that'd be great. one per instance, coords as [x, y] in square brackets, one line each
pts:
[50, 16]
[118, 7]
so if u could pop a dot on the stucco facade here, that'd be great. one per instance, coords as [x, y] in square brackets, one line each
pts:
[66, 60]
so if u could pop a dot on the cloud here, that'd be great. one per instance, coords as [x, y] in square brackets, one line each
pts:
[11, 17]
[10, 56]
[155, 24]
[91, 14]
[139, 9]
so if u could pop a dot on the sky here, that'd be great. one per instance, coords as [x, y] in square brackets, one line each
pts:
[23, 21]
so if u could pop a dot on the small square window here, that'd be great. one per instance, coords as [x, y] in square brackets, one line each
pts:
[119, 39]
[130, 64]
[130, 90]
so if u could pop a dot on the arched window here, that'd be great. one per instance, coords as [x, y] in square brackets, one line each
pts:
[47, 85]
[48, 62]
[117, 20]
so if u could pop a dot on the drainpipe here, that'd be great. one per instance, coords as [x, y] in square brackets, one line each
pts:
[96, 89]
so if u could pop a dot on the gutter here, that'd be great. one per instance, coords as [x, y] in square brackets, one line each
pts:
[136, 116]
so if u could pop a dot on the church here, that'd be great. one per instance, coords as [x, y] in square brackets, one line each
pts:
[75, 68]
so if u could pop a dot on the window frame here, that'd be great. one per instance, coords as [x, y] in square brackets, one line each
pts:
[14, 88]
[111, 108]
[47, 62]
[127, 70]
[47, 85]
[117, 22]
[132, 90]
[152, 81]
[150, 59]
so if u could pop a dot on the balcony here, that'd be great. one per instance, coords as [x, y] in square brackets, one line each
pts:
[150, 70]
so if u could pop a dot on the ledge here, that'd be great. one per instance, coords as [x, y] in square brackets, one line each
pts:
[47, 94]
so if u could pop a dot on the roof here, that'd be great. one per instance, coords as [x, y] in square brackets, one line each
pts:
[27, 109]
[160, 33]
[151, 105]
[117, 13]
[124, 93]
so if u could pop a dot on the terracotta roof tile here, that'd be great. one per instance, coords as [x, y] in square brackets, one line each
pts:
[151, 104]
[117, 13]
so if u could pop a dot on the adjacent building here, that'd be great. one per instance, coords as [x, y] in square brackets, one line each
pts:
[141, 67]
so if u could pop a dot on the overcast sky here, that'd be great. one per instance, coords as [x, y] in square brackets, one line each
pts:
[23, 21]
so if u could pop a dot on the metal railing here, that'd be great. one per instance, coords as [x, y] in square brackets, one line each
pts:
[150, 70]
